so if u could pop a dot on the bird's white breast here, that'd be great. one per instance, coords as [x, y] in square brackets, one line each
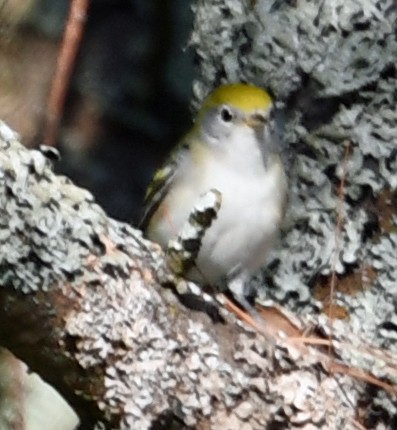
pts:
[250, 214]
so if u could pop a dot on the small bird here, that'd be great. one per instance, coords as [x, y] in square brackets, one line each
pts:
[231, 149]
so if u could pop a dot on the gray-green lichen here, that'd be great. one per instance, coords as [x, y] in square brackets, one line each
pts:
[339, 54]
[50, 212]
[333, 66]
[140, 357]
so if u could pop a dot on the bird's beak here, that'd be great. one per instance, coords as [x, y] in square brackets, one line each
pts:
[256, 121]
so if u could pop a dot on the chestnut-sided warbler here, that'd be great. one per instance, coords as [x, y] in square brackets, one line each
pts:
[231, 149]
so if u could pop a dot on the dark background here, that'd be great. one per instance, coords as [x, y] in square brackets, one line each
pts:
[129, 98]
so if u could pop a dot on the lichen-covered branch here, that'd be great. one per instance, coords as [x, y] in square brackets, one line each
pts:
[82, 305]
[80, 294]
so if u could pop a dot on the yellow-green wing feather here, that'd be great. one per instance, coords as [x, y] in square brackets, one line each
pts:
[160, 184]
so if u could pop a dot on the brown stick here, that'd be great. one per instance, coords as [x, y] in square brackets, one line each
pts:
[64, 68]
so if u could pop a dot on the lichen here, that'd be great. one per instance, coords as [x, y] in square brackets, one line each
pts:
[331, 67]
[340, 51]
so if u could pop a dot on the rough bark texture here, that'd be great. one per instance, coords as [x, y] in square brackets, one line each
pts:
[82, 305]
[331, 65]
[80, 293]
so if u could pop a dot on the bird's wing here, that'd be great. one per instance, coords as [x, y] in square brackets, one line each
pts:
[160, 184]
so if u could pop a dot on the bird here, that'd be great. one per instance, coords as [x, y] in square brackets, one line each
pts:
[231, 148]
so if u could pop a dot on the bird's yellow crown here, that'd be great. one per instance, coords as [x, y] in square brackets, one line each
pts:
[245, 97]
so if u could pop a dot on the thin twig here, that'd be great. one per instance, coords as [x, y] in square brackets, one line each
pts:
[358, 425]
[358, 374]
[64, 68]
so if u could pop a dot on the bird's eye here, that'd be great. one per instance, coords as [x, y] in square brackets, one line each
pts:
[226, 114]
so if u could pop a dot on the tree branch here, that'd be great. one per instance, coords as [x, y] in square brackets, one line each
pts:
[82, 305]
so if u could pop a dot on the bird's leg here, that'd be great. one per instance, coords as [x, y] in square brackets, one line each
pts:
[238, 284]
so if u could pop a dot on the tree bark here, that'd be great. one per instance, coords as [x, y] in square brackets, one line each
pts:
[82, 296]
[82, 304]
